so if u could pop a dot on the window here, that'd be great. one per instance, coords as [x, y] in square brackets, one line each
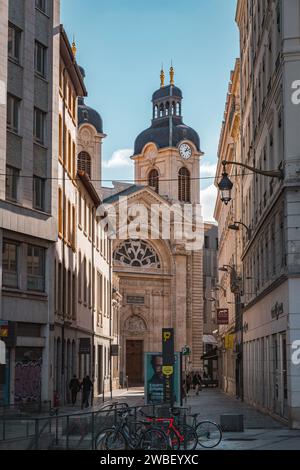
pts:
[69, 228]
[69, 154]
[35, 268]
[11, 184]
[41, 5]
[85, 286]
[79, 210]
[184, 193]
[39, 193]
[73, 227]
[206, 242]
[60, 210]
[14, 43]
[153, 180]
[84, 163]
[10, 264]
[79, 277]
[40, 58]
[73, 297]
[74, 161]
[60, 137]
[13, 113]
[39, 125]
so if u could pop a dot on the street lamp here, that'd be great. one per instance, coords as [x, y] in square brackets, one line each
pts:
[225, 185]
[225, 267]
[235, 226]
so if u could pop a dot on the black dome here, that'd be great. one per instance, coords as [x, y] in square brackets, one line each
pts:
[160, 135]
[87, 115]
[167, 92]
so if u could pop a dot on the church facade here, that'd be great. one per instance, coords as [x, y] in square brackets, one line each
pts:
[160, 275]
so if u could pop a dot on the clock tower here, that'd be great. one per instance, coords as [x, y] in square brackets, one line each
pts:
[167, 154]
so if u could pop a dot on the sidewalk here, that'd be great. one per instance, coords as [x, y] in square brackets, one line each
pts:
[261, 431]
[132, 396]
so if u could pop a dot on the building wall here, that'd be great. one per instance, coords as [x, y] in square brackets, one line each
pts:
[271, 257]
[20, 222]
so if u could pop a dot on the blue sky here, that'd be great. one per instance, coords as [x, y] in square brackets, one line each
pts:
[122, 43]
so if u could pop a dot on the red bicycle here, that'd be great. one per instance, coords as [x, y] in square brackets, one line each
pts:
[181, 435]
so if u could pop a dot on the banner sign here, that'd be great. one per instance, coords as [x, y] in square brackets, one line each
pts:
[222, 316]
[154, 378]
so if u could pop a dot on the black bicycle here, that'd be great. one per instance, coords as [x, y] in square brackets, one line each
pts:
[209, 433]
[134, 435]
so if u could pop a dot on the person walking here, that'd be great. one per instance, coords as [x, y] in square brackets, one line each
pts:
[197, 382]
[87, 386]
[74, 387]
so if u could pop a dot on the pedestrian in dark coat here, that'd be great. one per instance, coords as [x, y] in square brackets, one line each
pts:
[74, 387]
[87, 386]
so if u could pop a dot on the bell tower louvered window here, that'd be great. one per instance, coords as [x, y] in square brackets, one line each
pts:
[153, 180]
[84, 163]
[184, 185]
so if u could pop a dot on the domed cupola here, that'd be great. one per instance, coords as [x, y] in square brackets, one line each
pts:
[167, 128]
[87, 115]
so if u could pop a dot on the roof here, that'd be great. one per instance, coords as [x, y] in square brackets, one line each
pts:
[126, 192]
[71, 64]
[166, 92]
[85, 179]
[162, 137]
[87, 115]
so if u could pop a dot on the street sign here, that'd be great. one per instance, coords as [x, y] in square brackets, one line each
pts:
[222, 316]
[168, 363]
[186, 351]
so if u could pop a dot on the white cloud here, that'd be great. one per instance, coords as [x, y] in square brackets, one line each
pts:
[208, 198]
[119, 158]
[208, 169]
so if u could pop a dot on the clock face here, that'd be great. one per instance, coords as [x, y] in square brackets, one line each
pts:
[185, 151]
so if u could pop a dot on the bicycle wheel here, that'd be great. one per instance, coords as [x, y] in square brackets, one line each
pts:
[174, 440]
[114, 440]
[154, 439]
[209, 434]
[190, 438]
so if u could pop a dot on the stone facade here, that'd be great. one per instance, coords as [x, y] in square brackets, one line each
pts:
[160, 277]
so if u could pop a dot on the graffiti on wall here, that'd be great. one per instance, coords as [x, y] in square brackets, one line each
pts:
[28, 381]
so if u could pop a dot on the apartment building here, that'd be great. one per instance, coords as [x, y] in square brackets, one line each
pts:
[29, 57]
[270, 67]
[229, 253]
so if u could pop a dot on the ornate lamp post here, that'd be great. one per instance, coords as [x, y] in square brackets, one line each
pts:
[225, 185]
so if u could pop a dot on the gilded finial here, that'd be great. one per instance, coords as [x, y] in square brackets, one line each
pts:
[172, 74]
[74, 48]
[162, 77]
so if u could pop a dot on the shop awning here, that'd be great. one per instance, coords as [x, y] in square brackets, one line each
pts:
[210, 339]
[2, 352]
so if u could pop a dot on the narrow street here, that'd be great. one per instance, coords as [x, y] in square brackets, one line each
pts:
[261, 432]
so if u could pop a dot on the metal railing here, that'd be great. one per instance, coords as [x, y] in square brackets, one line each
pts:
[69, 431]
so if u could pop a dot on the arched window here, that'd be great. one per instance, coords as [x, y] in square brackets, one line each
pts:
[155, 111]
[153, 180]
[184, 185]
[173, 108]
[161, 110]
[84, 163]
[136, 253]
[167, 108]
[178, 109]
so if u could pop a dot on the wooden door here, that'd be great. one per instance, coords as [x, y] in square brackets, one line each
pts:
[134, 362]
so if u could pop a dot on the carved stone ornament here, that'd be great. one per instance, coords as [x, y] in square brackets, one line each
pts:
[151, 153]
[135, 325]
